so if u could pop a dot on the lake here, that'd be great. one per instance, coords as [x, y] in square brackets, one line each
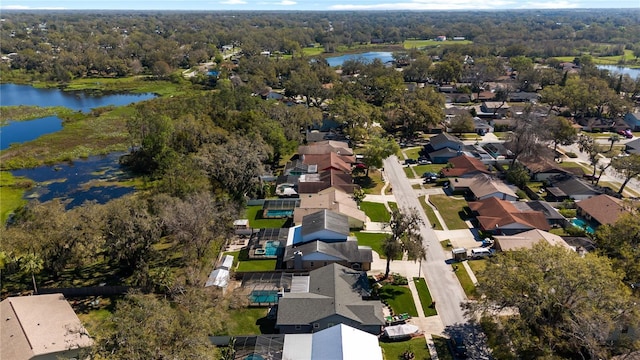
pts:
[23, 131]
[13, 95]
[634, 73]
[78, 181]
[384, 56]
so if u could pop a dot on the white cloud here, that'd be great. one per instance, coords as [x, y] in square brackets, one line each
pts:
[550, 5]
[286, 3]
[233, 2]
[24, 7]
[429, 5]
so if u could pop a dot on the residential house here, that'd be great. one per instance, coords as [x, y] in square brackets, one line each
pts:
[326, 147]
[330, 161]
[633, 147]
[331, 199]
[554, 218]
[481, 126]
[443, 147]
[601, 210]
[297, 167]
[336, 295]
[483, 186]
[503, 217]
[541, 169]
[314, 183]
[493, 109]
[633, 121]
[323, 238]
[41, 327]
[314, 136]
[464, 166]
[497, 150]
[524, 96]
[527, 239]
[340, 342]
[268, 243]
[569, 187]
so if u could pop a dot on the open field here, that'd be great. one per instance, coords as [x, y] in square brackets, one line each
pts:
[410, 44]
[11, 192]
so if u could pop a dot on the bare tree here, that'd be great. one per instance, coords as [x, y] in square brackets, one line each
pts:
[405, 236]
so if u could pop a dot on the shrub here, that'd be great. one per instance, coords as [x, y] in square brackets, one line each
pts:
[572, 155]
[575, 231]
[568, 213]
[399, 280]
[521, 194]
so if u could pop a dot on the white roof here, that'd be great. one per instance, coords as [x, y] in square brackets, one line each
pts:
[297, 347]
[218, 277]
[400, 330]
[346, 343]
[241, 222]
[227, 262]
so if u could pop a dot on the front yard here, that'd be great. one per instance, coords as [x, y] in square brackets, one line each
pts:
[399, 298]
[377, 212]
[451, 209]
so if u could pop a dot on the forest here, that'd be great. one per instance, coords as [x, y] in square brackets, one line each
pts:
[198, 149]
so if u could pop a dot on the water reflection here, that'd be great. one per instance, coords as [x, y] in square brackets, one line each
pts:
[92, 179]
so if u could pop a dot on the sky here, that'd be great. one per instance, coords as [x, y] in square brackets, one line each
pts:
[315, 5]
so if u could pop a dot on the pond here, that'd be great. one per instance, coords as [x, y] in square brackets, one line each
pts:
[91, 179]
[23, 131]
[614, 69]
[13, 95]
[368, 57]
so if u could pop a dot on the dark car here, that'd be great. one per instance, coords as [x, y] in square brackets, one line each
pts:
[458, 347]
[429, 177]
[410, 161]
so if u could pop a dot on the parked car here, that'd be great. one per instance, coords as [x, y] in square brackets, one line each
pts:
[423, 161]
[410, 161]
[480, 253]
[626, 133]
[429, 177]
[458, 348]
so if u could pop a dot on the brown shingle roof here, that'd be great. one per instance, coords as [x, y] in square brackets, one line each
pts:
[328, 161]
[603, 208]
[495, 213]
[464, 165]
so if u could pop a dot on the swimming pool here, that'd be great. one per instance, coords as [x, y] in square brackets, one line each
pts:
[279, 213]
[264, 296]
[271, 248]
[582, 225]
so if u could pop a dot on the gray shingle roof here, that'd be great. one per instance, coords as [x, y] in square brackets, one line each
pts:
[345, 250]
[324, 220]
[333, 290]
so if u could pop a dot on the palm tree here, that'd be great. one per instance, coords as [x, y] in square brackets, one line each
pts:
[33, 264]
[614, 138]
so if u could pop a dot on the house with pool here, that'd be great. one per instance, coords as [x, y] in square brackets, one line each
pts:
[598, 210]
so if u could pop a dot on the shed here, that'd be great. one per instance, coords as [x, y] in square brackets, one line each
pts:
[218, 277]
[459, 254]
[227, 262]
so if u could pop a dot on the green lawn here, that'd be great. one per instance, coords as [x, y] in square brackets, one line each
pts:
[465, 281]
[249, 321]
[451, 209]
[573, 164]
[313, 51]
[477, 265]
[446, 245]
[254, 214]
[425, 297]
[413, 153]
[393, 205]
[431, 215]
[410, 44]
[375, 211]
[408, 171]
[374, 241]
[11, 192]
[399, 299]
[442, 348]
[434, 168]
[394, 350]
[372, 184]
[242, 263]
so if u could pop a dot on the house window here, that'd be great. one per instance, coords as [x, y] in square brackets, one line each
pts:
[298, 327]
[311, 264]
[316, 325]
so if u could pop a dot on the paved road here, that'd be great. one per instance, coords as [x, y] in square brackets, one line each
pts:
[443, 284]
